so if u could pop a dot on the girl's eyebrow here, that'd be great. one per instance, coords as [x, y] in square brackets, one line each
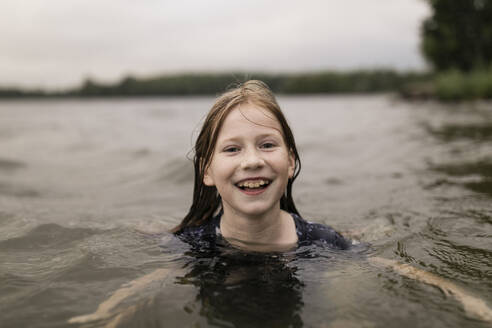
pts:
[270, 135]
[260, 136]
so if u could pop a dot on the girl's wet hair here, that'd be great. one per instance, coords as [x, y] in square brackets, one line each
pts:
[206, 199]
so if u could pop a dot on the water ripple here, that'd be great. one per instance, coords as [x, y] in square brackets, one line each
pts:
[44, 236]
[9, 165]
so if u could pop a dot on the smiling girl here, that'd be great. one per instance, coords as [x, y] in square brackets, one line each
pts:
[245, 163]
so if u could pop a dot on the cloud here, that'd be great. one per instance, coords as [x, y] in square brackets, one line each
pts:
[59, 42]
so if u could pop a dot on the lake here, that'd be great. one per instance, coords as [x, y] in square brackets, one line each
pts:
[88, 189]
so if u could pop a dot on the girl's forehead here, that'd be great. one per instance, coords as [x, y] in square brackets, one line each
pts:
[250, 116]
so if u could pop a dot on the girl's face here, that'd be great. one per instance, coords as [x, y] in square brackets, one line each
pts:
[251, 164]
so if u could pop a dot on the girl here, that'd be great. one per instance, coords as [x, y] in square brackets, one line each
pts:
[245, 163]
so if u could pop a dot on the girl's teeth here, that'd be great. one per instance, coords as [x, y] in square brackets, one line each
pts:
[253, 184]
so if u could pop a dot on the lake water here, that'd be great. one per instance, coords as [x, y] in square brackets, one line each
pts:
[89, 187]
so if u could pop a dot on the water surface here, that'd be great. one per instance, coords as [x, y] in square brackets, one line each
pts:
[88, 188]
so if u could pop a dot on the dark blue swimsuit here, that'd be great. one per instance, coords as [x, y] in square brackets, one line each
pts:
[207, 235]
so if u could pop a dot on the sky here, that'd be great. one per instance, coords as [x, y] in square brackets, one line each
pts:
[56, 44]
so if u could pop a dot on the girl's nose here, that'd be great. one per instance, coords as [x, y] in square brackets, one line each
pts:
[252, 160]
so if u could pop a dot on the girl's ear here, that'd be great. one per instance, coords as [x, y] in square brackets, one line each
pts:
[207, 179]
[292, 164]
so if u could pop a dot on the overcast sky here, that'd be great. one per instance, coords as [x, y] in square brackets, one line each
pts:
[58, 43]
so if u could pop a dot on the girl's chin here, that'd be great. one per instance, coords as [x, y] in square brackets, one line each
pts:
[256, 211]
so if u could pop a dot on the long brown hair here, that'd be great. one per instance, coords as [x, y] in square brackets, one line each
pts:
[206, 199]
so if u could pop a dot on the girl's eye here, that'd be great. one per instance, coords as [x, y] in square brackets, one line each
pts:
[268, 145]
[231, 149]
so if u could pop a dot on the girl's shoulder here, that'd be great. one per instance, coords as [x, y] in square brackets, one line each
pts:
[317, 233]
[203, 235]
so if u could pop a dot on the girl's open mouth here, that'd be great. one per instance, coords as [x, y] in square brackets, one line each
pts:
[253, 187]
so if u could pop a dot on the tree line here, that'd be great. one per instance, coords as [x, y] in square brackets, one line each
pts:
[368, 81]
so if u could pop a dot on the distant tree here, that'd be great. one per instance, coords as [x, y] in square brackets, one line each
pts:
[458, 34]
[89, 87]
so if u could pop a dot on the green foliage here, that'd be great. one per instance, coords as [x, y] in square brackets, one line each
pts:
[18, 93]
[166, 85]
[337, 82]
[454, 85]
[458, 34]
[209, 83]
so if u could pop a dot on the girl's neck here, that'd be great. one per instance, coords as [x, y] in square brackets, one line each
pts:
[273, 228]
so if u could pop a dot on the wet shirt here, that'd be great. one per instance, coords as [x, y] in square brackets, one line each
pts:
[208, 234]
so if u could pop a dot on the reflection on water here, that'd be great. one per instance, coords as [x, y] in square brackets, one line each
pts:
[80, 181]
[233, 288]
[247, 290]
[478, 132]
[476, 175]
